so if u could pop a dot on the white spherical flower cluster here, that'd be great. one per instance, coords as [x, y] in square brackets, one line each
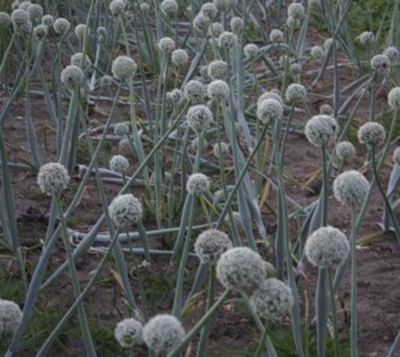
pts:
[80, 31]
[123, 68]
[10, 317]
[128, 333]
[40, 32]
[394, 98]
[218, 90]
[217, 69]
[268, 110]
[250, 50]
[350, 188]
[145, 7]
[237, 25]
[293, 23]
[101, 33]
[125, 210]
[197, 184]
[194, 91]
[326, 109]
[210, 244]
[318, 53]
[72, 76]
[276, 36]
[52, 178]
[372, 134]
[163, 333]
[169, 7]
[5, 19]
[166, 45]
[296, 93]
[392, 53]
[396, 156]
[345, 151]
[47, 20]
[227, 40]
[216, 29]
[380, 62]
[61, 26]
[119, 164]
[366, 38]
[327, 247]
[201, 23]
[174, 96]
[35, 12]
[117, 7]
[121, 129]
[125, 146]
[21, 22]
[220, 149]
[77, 58]
[179, 57]
[223, 5]
[273, 94]
[209, 9]
[296, 10]
[321, 130]
[295, 69]
[23, 5]
[272, 300]
[241, 269]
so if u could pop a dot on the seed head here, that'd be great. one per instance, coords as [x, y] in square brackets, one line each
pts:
[35, 12]
[223, 5]
[194, 91]
[350, 188]
[163, 333]
[179, 57]
[218, 90]
[166, 45]
[10, 317]
[123, 68]
[392, 53]
[77, 58]
[119, 164]
[318, 53]
[117, 7]
[201, 22]
[121, 129]
[209, 9]
[217, 69]
[295, 69]
[48, 20]
[227, 40]
[40, 32]
[220, 150]
[250, 50]
[128, 333]
[276, 36]
[380, 62]
[345, 151]
[241, 269]
[5, 20]
[321, 130]
[72, 76]
[272, 300]
[80, 31]
[210, 244]
[366, 38]
[52, 178]
[326, 109]
[125, 210]
[21, 22]
[394, 98]
[269, 110]
[216, 29]
[197, 184]
[61, 26]
[296, 10]
[296, 93]
[237, 25]
[372, 134]
[169, 7]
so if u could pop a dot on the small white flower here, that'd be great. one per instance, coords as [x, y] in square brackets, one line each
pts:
[327, 247]
[296, 10]
[35, 12]
[326, 109]
[317, 53]
[220, 149]
[194, 91]
[345, 151]
[72, 76]
[250, 50]
[241, 269]
[209, 9]
[394, 98]
[5, 20]
[197, 184]
[48, 20]
[201, 22]
[276, 36]
[123, 68]
[366, 38]
[128, 333]
[125, 210]
[350, 188]
[169, 7]
[218, 90]
[61, 26]
[52, 178]
[296, 93]
[217, 69]
[237, 25]
[121, 129]
[321, 130]
[119, 164]
[380, 62]
[392, 53]
[117, 7]
[372, 134]
[210, 244]
[10, 317]
[216, 29]
[163, 333]
[76, 60]
[179, 57]
[80, 31]
[272, 300]
[223, 5]
[166, 44]
[269, 110]
[227, 40]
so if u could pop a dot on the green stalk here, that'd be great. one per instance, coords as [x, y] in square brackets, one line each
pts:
[202, 346]
[199, 325]
[83, 321]
[354, 290]
[322, 309]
